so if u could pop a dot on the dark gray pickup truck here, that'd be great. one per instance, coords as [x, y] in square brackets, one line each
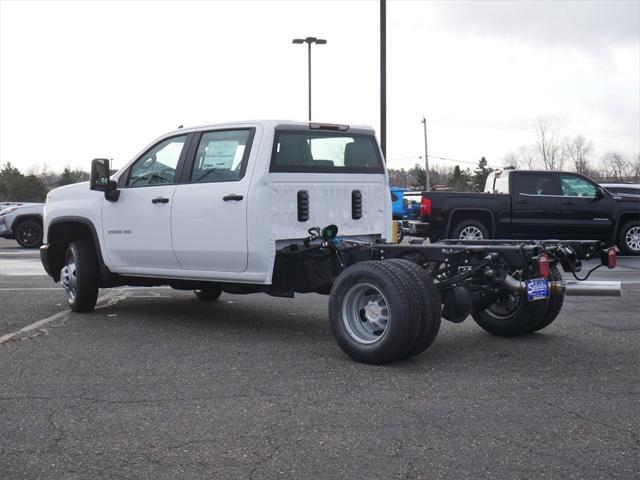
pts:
[531, 205]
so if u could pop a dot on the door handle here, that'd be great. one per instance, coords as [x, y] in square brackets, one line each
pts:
[521, 202]
[160, 200]
[232, 196]
[569, 203]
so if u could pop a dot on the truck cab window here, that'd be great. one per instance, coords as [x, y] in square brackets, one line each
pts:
[535, 184]
[221, 156]
[325, 152]
[574, 186]
[158, 165]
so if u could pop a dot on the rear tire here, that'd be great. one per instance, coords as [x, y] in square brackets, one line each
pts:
[629, 238]
[470, 230]
[210, 294]
[556, 299]
[80, 276]
[512, 315]
[429, 301]
[28, 234]
[374, 317]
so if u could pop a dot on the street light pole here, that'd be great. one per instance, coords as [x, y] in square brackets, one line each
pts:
[427, 180]
[309, 41]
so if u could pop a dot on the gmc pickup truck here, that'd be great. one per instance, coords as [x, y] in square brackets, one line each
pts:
[238, 208]
[532, 205]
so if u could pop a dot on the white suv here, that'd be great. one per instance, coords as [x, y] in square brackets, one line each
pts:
[23, 221]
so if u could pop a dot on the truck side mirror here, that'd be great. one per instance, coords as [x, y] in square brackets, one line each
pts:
[599, 193]
[101, 180]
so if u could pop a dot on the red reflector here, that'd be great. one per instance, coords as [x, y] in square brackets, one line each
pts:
[612, 258]
[425, 207]
[543, 265]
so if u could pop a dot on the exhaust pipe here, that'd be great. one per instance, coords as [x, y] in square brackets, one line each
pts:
[572, 287]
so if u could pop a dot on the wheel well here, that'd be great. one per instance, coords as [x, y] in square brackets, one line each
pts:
[478, 215]
[24, 218]
[61, 234]
[626, 217]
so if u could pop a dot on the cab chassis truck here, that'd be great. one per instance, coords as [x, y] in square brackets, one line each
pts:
[238, 208]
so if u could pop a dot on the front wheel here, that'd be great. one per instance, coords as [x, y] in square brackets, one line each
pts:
[629, 238]
[29, 234]
[79, 276]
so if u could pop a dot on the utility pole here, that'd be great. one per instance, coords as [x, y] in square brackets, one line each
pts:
[426, 157]
[383, 78]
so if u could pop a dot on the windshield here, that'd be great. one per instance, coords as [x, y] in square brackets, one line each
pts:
[325, 152]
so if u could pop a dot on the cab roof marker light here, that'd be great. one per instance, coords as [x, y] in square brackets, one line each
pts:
[328, 126]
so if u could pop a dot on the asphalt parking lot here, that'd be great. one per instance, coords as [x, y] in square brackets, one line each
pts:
[155, 384]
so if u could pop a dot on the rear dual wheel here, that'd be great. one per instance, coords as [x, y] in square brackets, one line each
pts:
[378, 313]
[512, 314]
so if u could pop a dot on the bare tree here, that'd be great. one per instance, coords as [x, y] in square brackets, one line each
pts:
[579, 149]
[550, 148]
[523, 158]
[41, 171]
[616, 165]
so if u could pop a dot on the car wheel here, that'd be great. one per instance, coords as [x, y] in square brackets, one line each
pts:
[629, 238]
[80, 276]
[470, 230]
[29, 234]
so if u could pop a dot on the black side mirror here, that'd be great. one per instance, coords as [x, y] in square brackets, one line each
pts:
[101, 179]
[599, 193]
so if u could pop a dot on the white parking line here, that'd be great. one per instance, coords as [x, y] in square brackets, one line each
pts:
[107, 299]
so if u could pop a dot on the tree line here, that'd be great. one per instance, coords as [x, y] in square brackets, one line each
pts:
[549, 151]
[33, 185]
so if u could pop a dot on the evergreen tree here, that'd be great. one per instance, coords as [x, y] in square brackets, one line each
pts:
[480, 175]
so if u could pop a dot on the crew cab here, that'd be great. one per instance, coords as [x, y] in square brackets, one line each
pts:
[22, 222]
[283, 208]
[533, 205]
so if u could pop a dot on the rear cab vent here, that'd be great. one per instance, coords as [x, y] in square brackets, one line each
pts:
[356, 204]
[303, 205]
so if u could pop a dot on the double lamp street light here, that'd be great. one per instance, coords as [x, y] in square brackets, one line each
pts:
[309, 41]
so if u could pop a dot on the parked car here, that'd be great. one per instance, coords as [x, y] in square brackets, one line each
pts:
[532, 205]
[23, 222]
[622, 188]
[239, 207]
[397, 202]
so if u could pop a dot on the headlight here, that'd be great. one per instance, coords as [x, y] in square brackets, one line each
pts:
[7, 211]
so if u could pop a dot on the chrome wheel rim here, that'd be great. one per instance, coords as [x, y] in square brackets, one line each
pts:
[471, 233]
[69, 277]
[365, 313]
[632, 238]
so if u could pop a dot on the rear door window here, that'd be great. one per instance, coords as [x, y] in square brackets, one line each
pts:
[221, 156]
[531, 183]
[330, 152]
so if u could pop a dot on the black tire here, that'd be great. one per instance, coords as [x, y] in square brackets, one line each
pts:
[429, 302]
[472, 226]
[209, 294]
[28, 234]
[629, 238]
[556, 299]
[350, 321]
[512, 315]
[80, 276]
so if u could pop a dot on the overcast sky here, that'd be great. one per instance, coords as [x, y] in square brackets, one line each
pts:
[80, 80]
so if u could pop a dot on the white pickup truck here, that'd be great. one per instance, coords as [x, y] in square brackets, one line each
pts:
[22, 222]
[238, 208]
